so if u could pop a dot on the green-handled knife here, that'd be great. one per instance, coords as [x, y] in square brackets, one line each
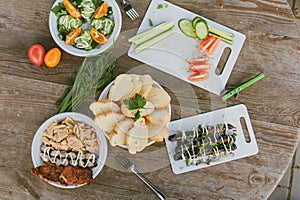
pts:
[243, 86]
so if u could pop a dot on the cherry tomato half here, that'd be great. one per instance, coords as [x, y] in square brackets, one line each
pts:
[98, 37]
[101, 10]
[72, 10]
[36, 54]
[70, 38]
[52, 57]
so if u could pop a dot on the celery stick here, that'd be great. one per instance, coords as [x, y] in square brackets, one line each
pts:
[140, 35]
[154, 33]
[227, 41]
[153, 41]
[223, 34]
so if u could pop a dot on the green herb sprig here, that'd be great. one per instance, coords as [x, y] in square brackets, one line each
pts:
[59, 10]
[94, 73]
[138, 102]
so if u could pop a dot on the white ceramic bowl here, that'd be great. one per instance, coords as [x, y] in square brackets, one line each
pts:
[117, 17]
[101, 152]
[104, 95]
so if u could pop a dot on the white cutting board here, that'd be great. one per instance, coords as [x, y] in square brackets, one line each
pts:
[171, 54]
[229, 115]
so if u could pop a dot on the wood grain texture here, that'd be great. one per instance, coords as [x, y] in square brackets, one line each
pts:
[28, 95]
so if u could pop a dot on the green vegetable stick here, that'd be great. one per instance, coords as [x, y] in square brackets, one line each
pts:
[140, 35]
[154, 33]
[150, 33]
[153, 41]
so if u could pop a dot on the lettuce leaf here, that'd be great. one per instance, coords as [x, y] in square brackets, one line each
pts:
[59, 10]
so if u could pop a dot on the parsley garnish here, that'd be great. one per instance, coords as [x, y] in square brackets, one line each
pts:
[138, 102]
[137, 115]
[150, 22]
[135, 103]
[161, 6]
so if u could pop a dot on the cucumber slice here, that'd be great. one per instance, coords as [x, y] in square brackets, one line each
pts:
[87, 9]
[104, 25]
[186, 27]
[201, 29]
[98, 23]
[196, 20]
[108, 26]
[84, 41]
[69, 22]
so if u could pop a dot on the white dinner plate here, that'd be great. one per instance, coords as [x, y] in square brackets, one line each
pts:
[101, 152]
[104, 95]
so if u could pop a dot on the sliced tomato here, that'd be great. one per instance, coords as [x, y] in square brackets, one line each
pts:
[72, 10]
[101, 10]
[200, 68]
[36, 54]
[97, 36]
[199, 77]
[52, 57]
[213, 47]
[205, 44]
[70, 38]
[199, 61]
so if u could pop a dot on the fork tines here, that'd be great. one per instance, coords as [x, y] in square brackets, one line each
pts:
[124, 161]
[130, 11]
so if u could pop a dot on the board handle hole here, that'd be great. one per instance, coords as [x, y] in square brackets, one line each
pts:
[245, 130]
[223, 60]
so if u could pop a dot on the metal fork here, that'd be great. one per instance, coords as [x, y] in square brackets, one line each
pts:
[127, 164]
[129, 10]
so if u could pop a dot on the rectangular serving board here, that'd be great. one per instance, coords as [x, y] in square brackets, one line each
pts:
[171, 54]
[231, 115]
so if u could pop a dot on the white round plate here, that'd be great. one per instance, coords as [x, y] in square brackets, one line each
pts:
[104, 95]
[37, 141]
[117, 17]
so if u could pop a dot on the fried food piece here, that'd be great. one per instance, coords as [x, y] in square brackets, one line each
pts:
[63, 175]
[76, 176]
[49, 172]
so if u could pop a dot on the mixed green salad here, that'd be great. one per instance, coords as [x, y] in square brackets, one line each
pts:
[84, 24]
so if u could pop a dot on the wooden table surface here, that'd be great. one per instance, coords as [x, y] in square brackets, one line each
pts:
[28, 96]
